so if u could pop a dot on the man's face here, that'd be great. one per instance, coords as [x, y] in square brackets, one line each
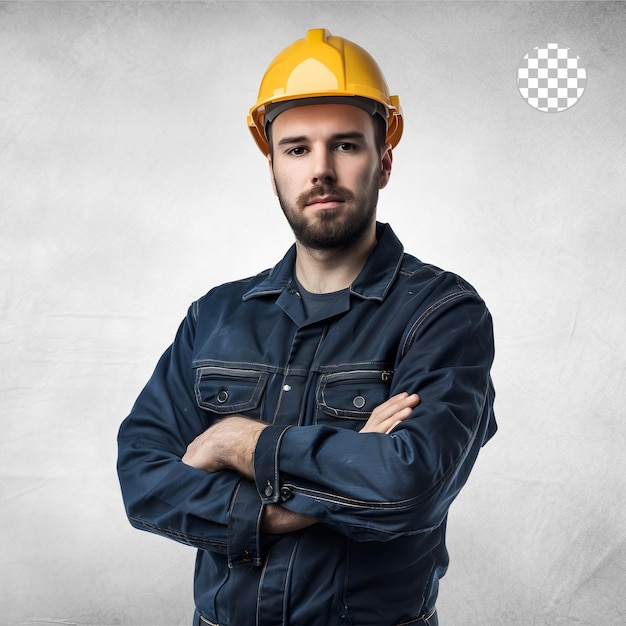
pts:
[326, 172]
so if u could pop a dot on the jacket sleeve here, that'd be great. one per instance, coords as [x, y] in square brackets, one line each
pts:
[379, 487]
[212, 511]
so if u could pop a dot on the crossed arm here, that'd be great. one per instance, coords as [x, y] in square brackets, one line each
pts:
[231, 442]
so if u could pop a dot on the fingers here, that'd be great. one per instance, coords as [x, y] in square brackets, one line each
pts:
[392, 421]
[390, 429]
[390, 413]
[396, 404]
[401, 400]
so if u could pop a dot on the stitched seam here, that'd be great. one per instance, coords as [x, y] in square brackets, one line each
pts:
[421, 618]
[261, 381]
[230, 526]
[425, 315]
[188, 539]
[288, 574]
[276, 452]
[323, 496]
[243, 366]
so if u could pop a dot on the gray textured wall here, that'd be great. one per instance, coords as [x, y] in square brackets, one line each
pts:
[129, 186]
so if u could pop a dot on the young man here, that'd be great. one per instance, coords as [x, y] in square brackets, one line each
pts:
[309, 427]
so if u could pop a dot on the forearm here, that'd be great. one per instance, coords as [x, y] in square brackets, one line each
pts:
[228, 444]
[278, 520]
[231, 443]
[375, 486]
[164, 496]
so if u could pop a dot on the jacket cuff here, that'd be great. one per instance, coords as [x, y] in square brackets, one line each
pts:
[266, 471]
[244, 523]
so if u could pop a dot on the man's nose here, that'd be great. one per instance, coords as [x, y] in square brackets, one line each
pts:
[323, 168]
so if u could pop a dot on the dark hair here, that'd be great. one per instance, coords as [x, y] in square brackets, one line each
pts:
[380, 133]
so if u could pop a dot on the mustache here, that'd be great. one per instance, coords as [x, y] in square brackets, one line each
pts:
[341, 193]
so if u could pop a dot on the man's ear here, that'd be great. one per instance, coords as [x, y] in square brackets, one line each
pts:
[386, 160]
[271, 166]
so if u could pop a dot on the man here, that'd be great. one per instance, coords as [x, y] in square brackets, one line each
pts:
[309, 427]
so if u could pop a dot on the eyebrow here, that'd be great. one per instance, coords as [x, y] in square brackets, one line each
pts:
[354, 135]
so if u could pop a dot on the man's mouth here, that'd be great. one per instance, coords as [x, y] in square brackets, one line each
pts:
[320, 198]
[325, 202]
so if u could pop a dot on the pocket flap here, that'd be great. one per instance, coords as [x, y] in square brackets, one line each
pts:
[224, 390]
[354, 394]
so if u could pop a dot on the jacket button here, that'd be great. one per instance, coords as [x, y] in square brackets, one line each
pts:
[285, 493]
[359, 402]
[269, 490]
[222, 396]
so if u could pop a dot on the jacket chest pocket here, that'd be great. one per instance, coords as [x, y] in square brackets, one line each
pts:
[348, 398]
[226, 390]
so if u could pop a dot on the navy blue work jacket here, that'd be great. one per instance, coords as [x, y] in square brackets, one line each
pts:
[381, 501]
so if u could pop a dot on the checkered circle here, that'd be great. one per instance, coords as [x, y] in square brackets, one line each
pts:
[550, 78]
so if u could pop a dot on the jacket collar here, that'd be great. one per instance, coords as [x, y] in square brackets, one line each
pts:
[373, 282]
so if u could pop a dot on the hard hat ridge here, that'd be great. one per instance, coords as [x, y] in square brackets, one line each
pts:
[322, 68]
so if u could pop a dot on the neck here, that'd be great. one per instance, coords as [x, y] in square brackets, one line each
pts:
[325, 271]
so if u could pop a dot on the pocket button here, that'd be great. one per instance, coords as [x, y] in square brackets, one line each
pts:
[359, 402]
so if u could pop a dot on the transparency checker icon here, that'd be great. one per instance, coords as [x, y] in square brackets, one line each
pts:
[550, 78]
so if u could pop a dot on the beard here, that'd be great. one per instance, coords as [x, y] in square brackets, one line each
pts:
[332, 229]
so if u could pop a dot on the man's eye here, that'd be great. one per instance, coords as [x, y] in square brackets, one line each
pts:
[297, 151]
[345, 147]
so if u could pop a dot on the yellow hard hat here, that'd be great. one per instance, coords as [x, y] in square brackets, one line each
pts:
[321, 66]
